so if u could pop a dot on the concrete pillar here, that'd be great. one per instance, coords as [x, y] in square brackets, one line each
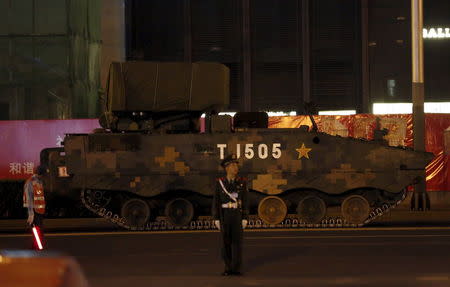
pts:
[113, 35]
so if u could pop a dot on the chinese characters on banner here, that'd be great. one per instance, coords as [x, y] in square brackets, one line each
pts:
[21, 168]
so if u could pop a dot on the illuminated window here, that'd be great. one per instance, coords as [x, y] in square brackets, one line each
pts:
[394, 108]
[391, 87]
[269, 113]
[278, 114]
[227, 113]
[406, 108]
[337, 113]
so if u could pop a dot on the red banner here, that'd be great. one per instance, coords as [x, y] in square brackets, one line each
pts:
[400, 133]
[22, 141]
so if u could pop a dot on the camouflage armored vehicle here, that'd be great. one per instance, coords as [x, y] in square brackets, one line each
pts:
[150, 164]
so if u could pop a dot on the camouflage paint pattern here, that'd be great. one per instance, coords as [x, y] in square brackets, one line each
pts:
[151, 164]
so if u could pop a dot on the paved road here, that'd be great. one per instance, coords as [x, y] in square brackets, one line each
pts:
[361, 257]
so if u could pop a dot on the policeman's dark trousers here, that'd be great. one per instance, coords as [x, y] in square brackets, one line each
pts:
[38, 222]
[232, 235]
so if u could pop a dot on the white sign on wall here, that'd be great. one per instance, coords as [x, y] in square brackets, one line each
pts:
[436, 33]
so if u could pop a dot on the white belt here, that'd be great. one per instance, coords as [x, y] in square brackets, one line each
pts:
[230, 205]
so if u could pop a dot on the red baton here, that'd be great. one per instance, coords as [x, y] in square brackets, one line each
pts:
[37, 238]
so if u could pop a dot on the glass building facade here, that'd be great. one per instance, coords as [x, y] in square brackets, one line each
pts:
[338, 54]
[49, 59]
[281, 54]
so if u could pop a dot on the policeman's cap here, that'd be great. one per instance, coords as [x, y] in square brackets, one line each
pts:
[229, 159]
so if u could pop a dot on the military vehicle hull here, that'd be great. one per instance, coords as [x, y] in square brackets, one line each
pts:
[135, 179]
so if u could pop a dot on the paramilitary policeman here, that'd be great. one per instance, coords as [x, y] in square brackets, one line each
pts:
[230, 213]
[34, 201]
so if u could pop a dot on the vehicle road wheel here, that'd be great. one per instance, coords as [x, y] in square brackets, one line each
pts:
[272, 210]
[179, 211]
[136, 212]
[311, 209]
[355, 209]
[98, 198]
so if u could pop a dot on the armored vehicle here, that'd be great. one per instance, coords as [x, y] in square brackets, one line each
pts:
[150, 166]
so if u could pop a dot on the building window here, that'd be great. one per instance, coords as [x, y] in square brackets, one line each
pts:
[4, 111]
[391, 88]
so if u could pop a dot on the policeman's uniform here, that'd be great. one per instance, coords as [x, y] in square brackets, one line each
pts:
[34, 201]
[230, 207]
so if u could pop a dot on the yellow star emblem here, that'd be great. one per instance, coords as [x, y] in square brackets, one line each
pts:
[303, 151]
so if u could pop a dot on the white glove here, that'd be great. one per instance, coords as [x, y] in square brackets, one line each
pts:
[244, 223]
[217, 224]
[30, 219]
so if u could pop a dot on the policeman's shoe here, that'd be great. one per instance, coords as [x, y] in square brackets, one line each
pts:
[237, 273]
[226, 273]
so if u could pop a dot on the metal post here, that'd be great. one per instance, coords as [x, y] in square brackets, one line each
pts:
[420, 197]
